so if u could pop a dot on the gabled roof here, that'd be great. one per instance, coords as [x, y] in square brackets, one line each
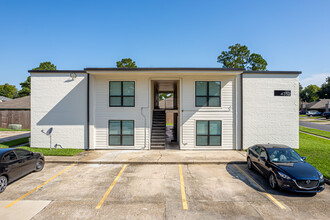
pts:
[2, 98]
[320, 104]
[18, 104]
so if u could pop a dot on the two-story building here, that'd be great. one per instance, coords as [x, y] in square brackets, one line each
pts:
[213, 108]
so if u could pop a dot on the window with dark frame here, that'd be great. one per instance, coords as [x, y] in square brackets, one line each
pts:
[207, 93]
[121, 93]
[208, 133]
[121, 133]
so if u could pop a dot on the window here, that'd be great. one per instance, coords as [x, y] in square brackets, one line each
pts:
[263, 153]
[22, 153]
[121, 133]
[122, 94]
[208, 93]
[9, 157]
[208, 133]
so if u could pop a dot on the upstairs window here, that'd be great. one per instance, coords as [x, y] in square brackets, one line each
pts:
[208, 93]
[122, 94]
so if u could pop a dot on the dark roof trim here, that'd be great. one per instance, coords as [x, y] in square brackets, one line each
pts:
[272, 72]
[164, 68]
[18, 109]
[57, 71]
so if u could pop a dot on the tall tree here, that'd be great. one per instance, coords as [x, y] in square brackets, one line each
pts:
[126, 63]
[8, 91]
[26, 88]
[311, 93]
[239, 56]
[46, 66]
[325, 89]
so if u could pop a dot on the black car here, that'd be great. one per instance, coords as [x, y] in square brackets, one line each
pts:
[326, 115]
[15, 163]
[285, 168]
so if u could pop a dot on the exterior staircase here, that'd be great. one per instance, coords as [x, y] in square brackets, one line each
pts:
[158, 130]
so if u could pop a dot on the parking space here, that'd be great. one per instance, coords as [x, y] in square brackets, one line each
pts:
[156, 192]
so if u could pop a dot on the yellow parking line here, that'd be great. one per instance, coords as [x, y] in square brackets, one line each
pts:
[183, 191]
[110, 188]
[275, 201]
[22, 197]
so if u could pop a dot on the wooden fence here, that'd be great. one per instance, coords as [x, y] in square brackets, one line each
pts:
[22, 117]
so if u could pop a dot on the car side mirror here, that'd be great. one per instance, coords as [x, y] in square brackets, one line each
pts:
[304, 158]
[263, 158]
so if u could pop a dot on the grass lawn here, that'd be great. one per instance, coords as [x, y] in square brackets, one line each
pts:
[44, 151]
[317, 152]
[6, 129]
[53, 152]
[315, 131]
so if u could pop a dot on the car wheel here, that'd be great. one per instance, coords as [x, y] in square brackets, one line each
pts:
[272, 181]
[39, 165]
[249, 164]
[3, 183]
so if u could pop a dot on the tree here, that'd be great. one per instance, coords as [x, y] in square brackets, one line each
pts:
[8, 91]
[238, 56]
[325, 89]
[310, 93]
[46, 66]
[126, 63]
[26, 88]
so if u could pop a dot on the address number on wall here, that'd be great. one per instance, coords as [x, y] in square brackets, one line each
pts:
[282, 92]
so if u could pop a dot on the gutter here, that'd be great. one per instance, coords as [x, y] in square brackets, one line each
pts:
[88, 147]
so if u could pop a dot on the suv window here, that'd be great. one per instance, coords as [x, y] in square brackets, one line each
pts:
[11, 156]
[22, 153]
[263, 153]
[257, 149]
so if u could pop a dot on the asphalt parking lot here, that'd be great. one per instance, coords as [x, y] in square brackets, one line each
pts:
[118, 191]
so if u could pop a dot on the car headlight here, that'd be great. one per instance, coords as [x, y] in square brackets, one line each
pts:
[320, 175]
[284, 176]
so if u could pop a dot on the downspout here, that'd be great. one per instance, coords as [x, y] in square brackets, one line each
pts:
[145, 119]
[88, 111]
[241, 111]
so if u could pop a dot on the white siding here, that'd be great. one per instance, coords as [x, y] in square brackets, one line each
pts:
[191, 113]
[143, 99]
[104, 113]
[59, 102]
[268, 118]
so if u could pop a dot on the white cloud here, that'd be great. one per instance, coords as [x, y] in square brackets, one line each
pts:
[314, 79]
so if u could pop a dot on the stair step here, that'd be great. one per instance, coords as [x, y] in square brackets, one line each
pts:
[157, 147]
[158, 136]
[158, 140]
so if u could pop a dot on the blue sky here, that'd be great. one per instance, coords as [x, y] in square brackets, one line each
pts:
[290, 35]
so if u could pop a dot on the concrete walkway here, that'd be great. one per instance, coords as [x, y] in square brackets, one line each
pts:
[152, 157]
[13, 135]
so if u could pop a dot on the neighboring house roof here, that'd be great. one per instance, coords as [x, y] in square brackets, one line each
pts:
[18, 104]
[3, 99]
[164, 69]
[320, 104]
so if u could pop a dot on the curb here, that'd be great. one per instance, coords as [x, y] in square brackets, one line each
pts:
[143, 162]
[304, 132]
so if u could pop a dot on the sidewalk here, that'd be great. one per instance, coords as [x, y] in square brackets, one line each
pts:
[152, 157]
[13, 135]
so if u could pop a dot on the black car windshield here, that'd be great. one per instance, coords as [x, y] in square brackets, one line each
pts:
[283, 155]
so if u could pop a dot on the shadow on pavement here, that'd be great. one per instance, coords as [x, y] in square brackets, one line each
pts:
[259, 179]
